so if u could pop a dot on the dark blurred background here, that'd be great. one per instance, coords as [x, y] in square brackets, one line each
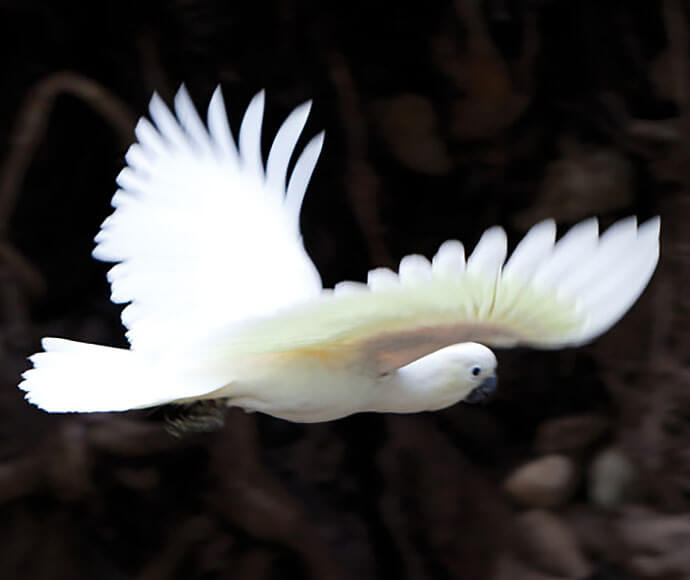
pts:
[441, 118]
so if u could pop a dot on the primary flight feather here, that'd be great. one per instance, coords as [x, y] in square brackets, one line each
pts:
[225, 304]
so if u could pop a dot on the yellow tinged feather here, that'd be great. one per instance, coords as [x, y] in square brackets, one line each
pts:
[389, 328]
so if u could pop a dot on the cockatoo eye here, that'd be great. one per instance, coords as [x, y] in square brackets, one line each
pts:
[476, 371]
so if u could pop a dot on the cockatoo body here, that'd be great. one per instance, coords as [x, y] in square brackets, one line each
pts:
[225, 304]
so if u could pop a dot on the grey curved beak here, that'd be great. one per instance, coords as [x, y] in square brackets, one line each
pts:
[483, 392]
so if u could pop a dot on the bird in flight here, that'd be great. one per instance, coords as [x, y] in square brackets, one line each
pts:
[225, 306]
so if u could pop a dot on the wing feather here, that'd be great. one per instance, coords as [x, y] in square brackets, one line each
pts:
[301, 174]
[532, 251]
[393, 322]
[167, 124]
[489, 254]
[191, 123]
[613, 246]
[283, 146]
[250, 137]
[219, 129]
[150, 140]
[381, 279]
[449, 260]
[201, 240]
[414, 269]
[580, 242]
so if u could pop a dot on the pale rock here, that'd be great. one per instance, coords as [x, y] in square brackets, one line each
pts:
[544, 482]
[613, 479]
[570, 434]
[550, 545]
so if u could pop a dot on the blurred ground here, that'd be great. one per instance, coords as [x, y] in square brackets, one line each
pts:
[442, 119]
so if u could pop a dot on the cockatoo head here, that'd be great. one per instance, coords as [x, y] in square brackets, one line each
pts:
[460, 372]
[467, 372]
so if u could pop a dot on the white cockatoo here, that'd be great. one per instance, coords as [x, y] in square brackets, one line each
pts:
[225, 304]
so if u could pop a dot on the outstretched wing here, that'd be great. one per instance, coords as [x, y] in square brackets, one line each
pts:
[547, 295]
[203, 233]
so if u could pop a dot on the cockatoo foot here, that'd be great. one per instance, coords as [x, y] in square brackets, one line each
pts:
[198, 417]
